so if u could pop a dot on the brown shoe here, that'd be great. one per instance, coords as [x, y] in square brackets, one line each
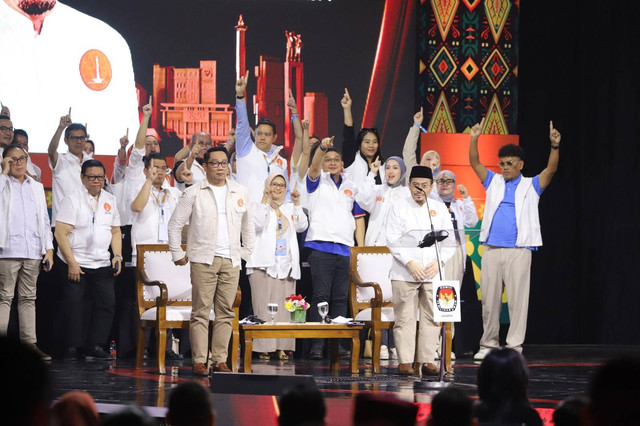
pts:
[221, 367]
[405, 369]
[430, 369]
[199, 369]
[36, 349]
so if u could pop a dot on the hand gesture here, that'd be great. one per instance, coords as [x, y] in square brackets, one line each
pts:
[6, 165]
[418, 117]
[148, 108]
[65, 120]
[476, 130]
[417, 271]
[241, 84]
[295, 195]
[554, 135]
[153, 173]
[186, 176]
[462, 190]
[266, 193]
[305, 124]
[431, 270]
[375, 166]
[124, 141]
[182, 261]
[346, 99]
[232, 136]
[4, 110]
[327, 143]
[291, 103]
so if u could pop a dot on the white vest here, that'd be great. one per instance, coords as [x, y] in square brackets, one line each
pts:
[331, 211]
[527, 219]
[254, 168]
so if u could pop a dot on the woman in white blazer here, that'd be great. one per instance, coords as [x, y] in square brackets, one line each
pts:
[274, 265]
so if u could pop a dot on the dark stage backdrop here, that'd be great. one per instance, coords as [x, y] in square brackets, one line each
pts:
[578, 67]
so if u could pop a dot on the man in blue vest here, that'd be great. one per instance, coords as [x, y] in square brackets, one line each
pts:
[510, 232]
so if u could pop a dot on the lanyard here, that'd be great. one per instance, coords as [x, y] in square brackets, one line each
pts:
[269, 162]
[93, 210]
[161, 203]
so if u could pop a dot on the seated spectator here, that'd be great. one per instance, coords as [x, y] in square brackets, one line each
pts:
[25, 393]
[571, 411]
[377, 410]
[191, 404]
[503, 379]
[129, 416]
[614, 393]
[301, 406]
[451, 407]
[75, 409]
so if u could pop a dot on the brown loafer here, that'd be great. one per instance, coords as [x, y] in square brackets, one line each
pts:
[199, 369]
[220, 367]
[430, 369]
[405, 369]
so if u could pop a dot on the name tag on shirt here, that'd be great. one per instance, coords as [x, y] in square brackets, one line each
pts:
[163, 231]
[281, 247]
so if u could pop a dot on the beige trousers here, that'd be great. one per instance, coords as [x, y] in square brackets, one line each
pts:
[214, 286]
[24, 273]
[266, 289]
[511, 267]
[404, 329]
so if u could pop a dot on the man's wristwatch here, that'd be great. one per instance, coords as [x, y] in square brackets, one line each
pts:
[555, 146]
[239, 97]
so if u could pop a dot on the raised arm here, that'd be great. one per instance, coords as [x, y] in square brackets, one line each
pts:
[474, 157]
[141, 200]
[411, 142]
[52, 151]
[318, 156]
[120, 163]
[348, 133]
[243, 131]
[303, 163]
[297, 129]
[144, 124]
[554, 156]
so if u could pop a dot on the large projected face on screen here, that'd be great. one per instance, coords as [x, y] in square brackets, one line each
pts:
[55, 56]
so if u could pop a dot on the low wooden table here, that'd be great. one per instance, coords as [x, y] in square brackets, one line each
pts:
[308, 330]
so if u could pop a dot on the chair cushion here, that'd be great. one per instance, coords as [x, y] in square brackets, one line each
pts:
[386, 315]
[174, 313]
[159, 266]
[374, 267]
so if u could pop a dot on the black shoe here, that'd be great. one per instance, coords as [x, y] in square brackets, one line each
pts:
[97, 353]
[315, 356]
[70, 353]
[172, 356]
[343, 353]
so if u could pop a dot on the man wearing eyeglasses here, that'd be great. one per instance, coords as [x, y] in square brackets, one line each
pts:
[66, 167]
[88, 223]
[510, 232]
[219, 214]
[6, 132]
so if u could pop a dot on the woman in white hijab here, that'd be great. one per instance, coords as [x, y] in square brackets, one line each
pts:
[274, 265]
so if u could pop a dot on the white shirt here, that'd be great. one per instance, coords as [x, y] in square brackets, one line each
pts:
[222, 241]
[43, 78]
[34, 170]
[150, 226]
[65, 179]
[90, 236]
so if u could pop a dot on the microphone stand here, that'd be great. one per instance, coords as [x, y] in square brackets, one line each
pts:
[437, 238]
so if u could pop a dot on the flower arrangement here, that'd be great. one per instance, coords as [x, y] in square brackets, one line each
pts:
[295, 303]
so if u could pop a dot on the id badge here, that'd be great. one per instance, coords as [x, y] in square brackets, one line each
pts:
[163, 232]
[281, 247]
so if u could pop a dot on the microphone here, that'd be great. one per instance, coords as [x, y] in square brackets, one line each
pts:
[431, 237]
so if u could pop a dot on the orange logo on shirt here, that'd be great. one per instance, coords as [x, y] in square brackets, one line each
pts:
[432, 213]
[95, 70]
[380, 199]
[107, 207]
[240, 202]
[279, 161]
[348, 193]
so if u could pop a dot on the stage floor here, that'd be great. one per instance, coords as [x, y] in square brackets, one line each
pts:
[556, 372]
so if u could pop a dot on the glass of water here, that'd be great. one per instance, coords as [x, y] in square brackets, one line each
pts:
[323, 309]
[272, 308]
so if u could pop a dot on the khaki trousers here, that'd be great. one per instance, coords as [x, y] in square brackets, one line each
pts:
[214, 286]
[404, 329]
[511, 267]
[266, 289]
[24, 273]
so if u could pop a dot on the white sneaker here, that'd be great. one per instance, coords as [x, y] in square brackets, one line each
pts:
[393, 354]
[384, 352]
[481, 354]
[437, 356]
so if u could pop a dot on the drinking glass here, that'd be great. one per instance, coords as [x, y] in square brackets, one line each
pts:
[272, 308]
[323, 309]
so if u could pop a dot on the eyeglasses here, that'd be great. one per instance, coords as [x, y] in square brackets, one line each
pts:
[279, 185]
[6, 129]
[94, 178]
[77, 139]
[509, 163]
[218, 164]
[445, 181]
[20, 160]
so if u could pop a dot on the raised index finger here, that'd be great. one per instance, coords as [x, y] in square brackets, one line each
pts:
[346, 92]
[290, 94]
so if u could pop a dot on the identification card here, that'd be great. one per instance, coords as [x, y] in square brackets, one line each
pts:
[163, 232]
[281, 247]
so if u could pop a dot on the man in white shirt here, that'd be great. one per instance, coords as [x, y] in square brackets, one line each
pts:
[66, 167]
[88, 224]
[218, 213]
[26, 243]
[192, 166]
[414, 269]
[20, 137]
[61, 57]
[6, 131]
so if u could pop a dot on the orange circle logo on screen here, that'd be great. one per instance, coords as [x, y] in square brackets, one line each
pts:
[95, 70]
[107, 207]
